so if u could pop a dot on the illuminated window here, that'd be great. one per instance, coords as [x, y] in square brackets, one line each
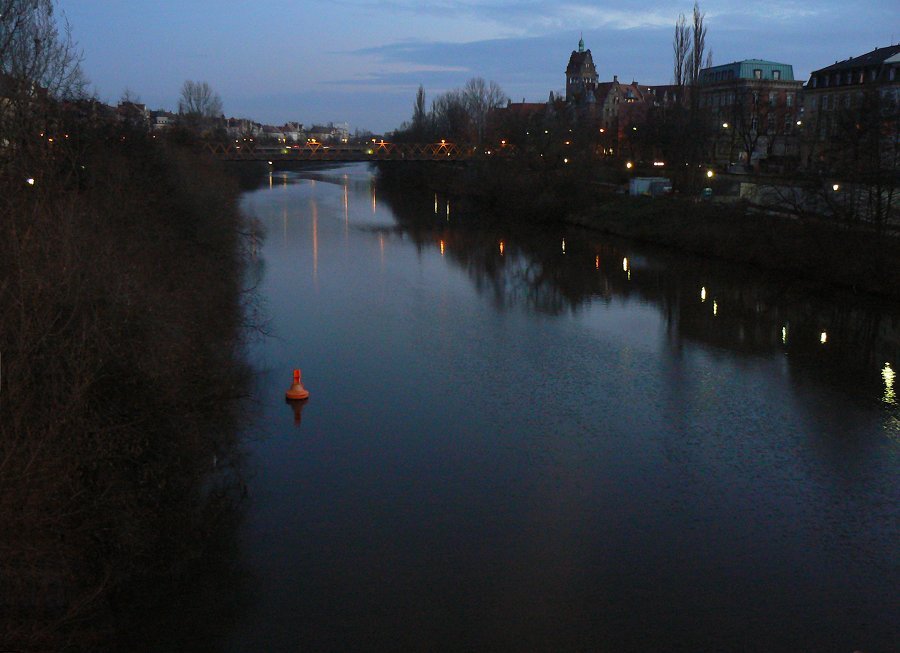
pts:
[757, 74]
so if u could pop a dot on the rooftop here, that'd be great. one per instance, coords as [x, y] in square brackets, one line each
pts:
[877, 56]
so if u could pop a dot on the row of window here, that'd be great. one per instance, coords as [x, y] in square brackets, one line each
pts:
[727, 99]
[850, 77]
[725, 75]
[757, 74]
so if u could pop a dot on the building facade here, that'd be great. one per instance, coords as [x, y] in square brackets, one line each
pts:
[753, 109]
[581, 75]
[853, 101]
[615, 109]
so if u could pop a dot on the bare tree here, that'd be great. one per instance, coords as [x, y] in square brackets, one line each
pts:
[38, 64]
[450, 116]
[33, 53]
[698, 46]
[480, 99]
[681, 46]
[419, 114]
[198, 101]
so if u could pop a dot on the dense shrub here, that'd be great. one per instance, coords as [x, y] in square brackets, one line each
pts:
[120, 340]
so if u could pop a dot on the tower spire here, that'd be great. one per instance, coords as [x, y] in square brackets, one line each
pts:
[581, 43]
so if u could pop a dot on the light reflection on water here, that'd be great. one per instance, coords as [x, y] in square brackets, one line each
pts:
[516, 445]
[888, 375]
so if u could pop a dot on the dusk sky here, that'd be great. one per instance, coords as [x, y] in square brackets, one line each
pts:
[360, 61]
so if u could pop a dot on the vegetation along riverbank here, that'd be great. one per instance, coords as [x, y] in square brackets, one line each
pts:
[808, 248]
[121, 369]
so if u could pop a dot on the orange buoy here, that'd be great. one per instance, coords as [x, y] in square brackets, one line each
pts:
[297, 391]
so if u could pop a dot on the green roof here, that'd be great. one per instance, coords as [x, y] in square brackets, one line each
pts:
[746, 70]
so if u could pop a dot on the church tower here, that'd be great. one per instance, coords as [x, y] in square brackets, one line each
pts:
[581, 76]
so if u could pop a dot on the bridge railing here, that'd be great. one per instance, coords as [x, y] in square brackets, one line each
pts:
[374, 151]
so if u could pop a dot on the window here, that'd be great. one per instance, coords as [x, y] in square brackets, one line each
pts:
[849, 77]
[757, 74]
[776, 74]
[789, 99]
[772, 98]
[892, 75]
[815, 82]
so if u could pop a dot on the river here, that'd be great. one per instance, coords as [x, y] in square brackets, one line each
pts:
[555, 441]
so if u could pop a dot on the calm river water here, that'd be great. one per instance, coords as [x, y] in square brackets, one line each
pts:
[556, 442]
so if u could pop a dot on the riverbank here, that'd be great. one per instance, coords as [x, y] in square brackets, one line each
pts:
[122, 304]
[814, 251]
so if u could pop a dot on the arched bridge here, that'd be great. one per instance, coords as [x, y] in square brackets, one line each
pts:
[371, 151]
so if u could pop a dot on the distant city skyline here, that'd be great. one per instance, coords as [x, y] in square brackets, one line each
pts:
[360, 61]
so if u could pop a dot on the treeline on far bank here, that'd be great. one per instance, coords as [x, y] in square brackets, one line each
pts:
[121, 323]
[522, 191]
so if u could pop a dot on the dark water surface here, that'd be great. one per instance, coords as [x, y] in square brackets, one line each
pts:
[557, 442]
